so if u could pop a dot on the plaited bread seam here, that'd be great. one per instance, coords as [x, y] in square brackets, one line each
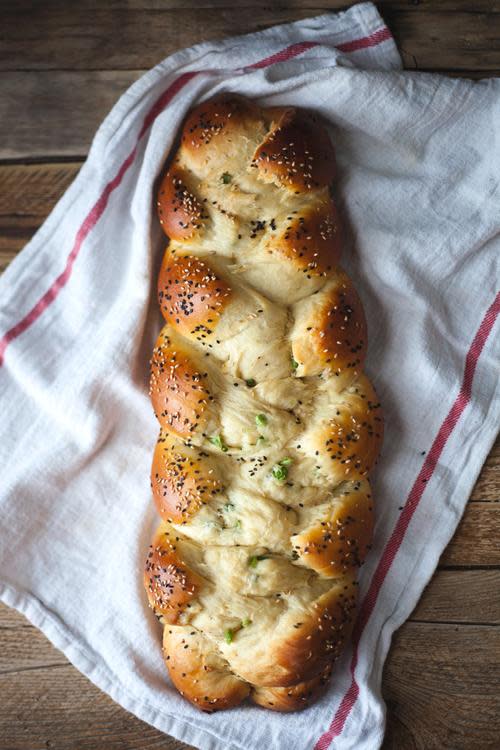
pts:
[304, 508]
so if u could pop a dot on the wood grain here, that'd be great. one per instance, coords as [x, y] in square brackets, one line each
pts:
[28, 192]
[476, 539]
[62, 36]
[55, 114]
[59, 709]
[441, 692]
[487, 487]
[26, 648]
[461, 596]
[32, 190]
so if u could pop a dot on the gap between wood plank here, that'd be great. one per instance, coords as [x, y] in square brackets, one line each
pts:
[463, 568]
[26, 626]
[454, 72]
[457, 623]
[27, 161]
[16, 670]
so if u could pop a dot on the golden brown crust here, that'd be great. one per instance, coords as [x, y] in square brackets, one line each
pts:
[319, 639]
[216, 122]
[169, 583]
[331, 335]
[180, 213]
[191, 294]
[297, 153]
[199, 673]
[340, 540]
[305, 642]
[312, 239]
[182, 479]
[179, 388]
[294, 697]
[346, 444]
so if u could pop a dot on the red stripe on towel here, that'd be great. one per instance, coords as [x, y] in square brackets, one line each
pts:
[379, 36]
[285, 54]
[414, 497]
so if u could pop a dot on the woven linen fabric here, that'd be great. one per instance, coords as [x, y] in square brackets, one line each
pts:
[418, 162]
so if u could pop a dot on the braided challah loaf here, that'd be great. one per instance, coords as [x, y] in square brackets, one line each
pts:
[268, 427]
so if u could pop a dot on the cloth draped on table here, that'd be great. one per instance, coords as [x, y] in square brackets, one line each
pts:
[418, 159]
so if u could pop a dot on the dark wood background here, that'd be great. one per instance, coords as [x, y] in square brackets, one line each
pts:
[62, 66]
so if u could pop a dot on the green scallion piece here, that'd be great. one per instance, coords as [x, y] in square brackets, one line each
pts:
[254, 559]
[228, 635]
[226, 178]
[260, 420]
[251, 383]
[279, 473]
[280, 470]
[218, 441]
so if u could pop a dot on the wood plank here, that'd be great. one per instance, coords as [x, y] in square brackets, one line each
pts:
[26, 648]
[55, 114]
[10, 618]
[472, 75]
[487, 486]
[441, 687]
[28, 192]
[31, 190]
[461, 596]
[54, 36]
[60, 709]
[432, 40]
[476, 540]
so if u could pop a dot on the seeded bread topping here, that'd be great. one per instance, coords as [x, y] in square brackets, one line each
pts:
[268, 426]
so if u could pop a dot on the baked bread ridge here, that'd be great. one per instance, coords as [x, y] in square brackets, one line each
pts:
[268, 426]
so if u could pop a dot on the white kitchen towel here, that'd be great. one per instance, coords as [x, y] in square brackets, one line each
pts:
[419, 159]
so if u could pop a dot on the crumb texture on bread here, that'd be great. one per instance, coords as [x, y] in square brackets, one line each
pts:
[268, 426]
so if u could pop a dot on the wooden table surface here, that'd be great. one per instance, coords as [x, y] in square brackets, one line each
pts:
[63, 64]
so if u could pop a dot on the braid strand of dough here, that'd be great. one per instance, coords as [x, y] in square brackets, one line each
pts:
[268, 427]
